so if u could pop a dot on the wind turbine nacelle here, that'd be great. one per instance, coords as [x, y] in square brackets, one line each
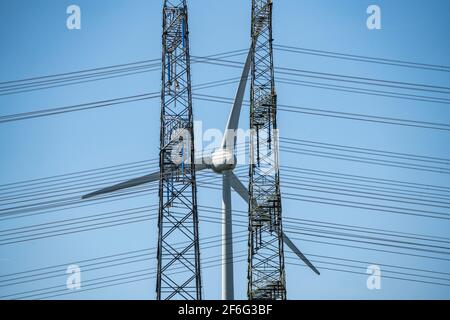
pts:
[223, 160]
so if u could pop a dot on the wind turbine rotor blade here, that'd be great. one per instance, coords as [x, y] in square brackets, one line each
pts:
[233, 119]
[202, 165]
[239, 187]
[124, 185]
[297, 251]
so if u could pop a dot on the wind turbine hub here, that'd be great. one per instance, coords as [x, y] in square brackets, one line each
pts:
[223, 160]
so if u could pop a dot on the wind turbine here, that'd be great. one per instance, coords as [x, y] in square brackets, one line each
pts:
[222, 161]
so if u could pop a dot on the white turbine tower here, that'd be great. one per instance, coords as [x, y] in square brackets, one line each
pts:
[222, 161]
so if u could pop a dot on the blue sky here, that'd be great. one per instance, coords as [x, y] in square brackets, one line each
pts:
[35, 42]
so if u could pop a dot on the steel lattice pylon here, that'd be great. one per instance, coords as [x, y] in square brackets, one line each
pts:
[266, 274]
[178, 274]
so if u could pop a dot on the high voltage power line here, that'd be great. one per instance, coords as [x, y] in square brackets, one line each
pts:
[136, 256]
[211, 263]
[361, 58]
[398, 194]
[434, 195]
[351, 79]
[132, 66]
[13, 278]
[129, 212]
[146, 274]
[292, 181]
[18, 277]
[334, 263]
[298, 180]
[336, 114]
[95, 218]
[144, 165]
[225, 100]
[90, 75]
[102, 103]
[114, 223]
[63, 191]
[14, 85]
[289, 71]
[123, 217]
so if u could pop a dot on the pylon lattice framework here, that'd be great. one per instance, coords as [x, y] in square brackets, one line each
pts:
[266, 274]
[178, 274]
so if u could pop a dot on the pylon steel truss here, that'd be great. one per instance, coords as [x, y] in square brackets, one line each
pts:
[266, 274]
[178, 274]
